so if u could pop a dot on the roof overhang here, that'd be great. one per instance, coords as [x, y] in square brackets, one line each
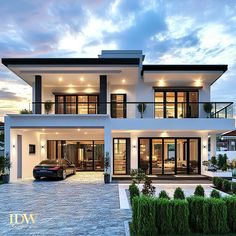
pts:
[182, 75]
[72, 69]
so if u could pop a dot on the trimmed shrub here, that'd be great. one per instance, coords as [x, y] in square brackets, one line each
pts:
[197, 220]
[199, 191]
[215, 211]
[226, 185]
[234, 187]
[215, 194]
[146, 221]
[214, 181]
[135, 214]
[219, 182]
[163, 194]
[180, 214]
[231, 212]
[179, 194]
[163, 215]
[133, 191]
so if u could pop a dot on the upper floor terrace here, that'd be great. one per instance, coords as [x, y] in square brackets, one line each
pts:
[118, 84]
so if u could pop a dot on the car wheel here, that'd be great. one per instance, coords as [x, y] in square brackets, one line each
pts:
[37, 178]
[63, 174]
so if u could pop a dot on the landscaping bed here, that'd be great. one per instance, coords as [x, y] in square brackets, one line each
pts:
[224, 185]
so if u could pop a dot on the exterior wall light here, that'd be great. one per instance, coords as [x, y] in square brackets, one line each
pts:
[13, 145]
[42, 146]
[204, 146]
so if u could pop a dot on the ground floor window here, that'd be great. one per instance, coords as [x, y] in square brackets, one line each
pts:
[160, 156]
[86, 155]
[121, 156]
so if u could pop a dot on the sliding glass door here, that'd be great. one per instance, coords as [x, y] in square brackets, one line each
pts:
[176, 104]
[169, 155]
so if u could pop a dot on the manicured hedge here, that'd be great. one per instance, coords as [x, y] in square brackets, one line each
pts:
[180, 215]
[163, 215]
[197, 220]
[231, 212]
[199, 191]
[133, 191]
[226, 185]
[215, 211]
[234, 187]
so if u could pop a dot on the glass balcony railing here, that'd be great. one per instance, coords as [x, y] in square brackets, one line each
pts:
[158, 110]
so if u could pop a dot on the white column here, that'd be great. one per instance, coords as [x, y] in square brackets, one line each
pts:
[213, 145]
[134, 151]
[108, 146]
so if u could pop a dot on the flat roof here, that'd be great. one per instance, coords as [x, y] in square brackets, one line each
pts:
[70, 61]
[184, 68]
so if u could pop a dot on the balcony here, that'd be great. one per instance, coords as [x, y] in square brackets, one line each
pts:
[157, 110]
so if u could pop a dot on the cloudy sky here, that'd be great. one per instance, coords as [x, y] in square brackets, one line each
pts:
[168, 32]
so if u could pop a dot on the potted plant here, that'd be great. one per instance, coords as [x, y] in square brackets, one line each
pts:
[48, 106]
[141, 108]
[106, 167]
[207, 108]
[5, 166]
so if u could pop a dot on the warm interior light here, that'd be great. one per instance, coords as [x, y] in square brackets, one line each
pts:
[85, 132]
[123, 81]
[56, 132]
[70, 85]
[89, 85]
[81, 79]
[78, 129]
[161, 83]
[43, 129]
[198, 82]
[60, 79]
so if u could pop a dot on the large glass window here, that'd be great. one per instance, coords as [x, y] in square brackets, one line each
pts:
[76, 104]
[86, 155]
[169, 155]
[176, 104]
[118, 105]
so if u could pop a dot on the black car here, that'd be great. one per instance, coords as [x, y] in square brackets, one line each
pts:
[54, 169]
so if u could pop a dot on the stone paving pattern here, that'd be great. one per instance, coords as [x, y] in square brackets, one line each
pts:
[80, 205]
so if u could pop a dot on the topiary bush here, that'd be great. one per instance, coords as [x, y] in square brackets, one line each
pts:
[199, 191]
[231, 212]
[226, 185]
[179, 194]
[146, 221]
[135, 214]
[219, 183]
[163, 194]
[215, 211]
[197, 220]
[180, 215]
[163, 215]
[133, 191]
[234, 187]
[215, 194]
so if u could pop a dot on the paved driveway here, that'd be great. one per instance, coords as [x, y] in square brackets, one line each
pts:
[80, 205]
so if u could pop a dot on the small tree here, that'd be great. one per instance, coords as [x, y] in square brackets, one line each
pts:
[48, 106]
[213, 160]
[222, 161]
[148, 188]
[141, 108]
[106, 163]
[207, 108]
[163, 194]
[215, 194]
[137, 175]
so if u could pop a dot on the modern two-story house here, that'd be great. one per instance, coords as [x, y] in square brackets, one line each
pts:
[156, 117]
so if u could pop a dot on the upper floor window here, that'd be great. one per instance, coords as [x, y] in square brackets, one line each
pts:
[76, 104]
[118, 105]
[176, 104]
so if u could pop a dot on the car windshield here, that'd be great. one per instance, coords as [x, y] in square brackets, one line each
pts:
[49, 162]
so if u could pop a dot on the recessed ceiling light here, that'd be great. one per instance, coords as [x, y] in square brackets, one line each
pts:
[60, 79]
[56, 132]
[70, 85]
[43, 129]
[123, 81]
[85, 132]
[81, 79]
[89, 85]
[78, 129]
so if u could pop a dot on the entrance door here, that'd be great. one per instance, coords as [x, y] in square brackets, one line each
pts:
[169, 156]
[121, 156]
[19, 156]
